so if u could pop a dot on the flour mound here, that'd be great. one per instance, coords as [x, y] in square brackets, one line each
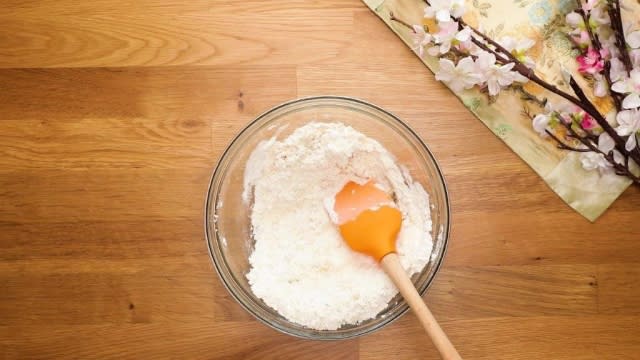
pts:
[300, 266]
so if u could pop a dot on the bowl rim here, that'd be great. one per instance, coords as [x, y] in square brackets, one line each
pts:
[444, 232]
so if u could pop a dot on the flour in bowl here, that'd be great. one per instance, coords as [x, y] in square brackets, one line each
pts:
[300, 266]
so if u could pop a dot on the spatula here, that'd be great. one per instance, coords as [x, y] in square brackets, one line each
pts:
[369, 223]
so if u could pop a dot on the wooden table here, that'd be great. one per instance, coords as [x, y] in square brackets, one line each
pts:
[112, 115]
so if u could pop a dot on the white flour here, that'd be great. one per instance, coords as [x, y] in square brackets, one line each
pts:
[300, 265]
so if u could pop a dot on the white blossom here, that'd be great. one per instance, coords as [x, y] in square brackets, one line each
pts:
[460, 76]
[630, 87]
[617, 157]
[608, 42]
[518, 48]
[448, 35]
[617, 71]
[629, 124]
[588, 5]
[496, 76]
[633, 39]
[562, 110]
[605, 143]
[468, 47]
[540, 124]
[635, 58]
[464, 36]
[595, 161]
[443, 10]
[421, 39]
[600, 85]
[599, 16]
[574, 19]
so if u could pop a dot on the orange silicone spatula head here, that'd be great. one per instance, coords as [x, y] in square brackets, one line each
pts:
[368, 222]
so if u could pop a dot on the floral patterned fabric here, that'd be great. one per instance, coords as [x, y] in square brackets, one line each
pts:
[589, 193]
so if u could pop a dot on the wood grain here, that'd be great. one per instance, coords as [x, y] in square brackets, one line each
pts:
[548, 337]
[112, 115]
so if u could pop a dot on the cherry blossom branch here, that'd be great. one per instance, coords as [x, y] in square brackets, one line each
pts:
[500, 50]
[563, 145]
[586, 18]
[518, 66]
[581, 101]
[400, 21]
[522, 69]
[590, 146]
[527, 96]
[617, 98]
[595, 41]
[604, 124]
[621, 169]
[589, 108]
[484, 47]
[533, 77]
[465, 50]
[613, 8]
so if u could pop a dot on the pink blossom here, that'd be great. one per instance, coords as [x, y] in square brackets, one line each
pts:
[590, 63]
[588, 122]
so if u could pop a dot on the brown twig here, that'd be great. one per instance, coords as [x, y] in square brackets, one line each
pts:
[597, 45]
[604, 124]
[613, 9]
[617, 98]
[585, 18]
[499, 48]
[484, 47]
[400, 21]
[620, 169]
[563, 145]
[527, 96]
[461, 54]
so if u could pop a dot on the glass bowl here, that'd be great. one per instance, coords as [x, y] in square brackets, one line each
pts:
[227, 221]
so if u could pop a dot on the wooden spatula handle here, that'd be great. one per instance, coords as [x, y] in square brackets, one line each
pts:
[391, 264]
